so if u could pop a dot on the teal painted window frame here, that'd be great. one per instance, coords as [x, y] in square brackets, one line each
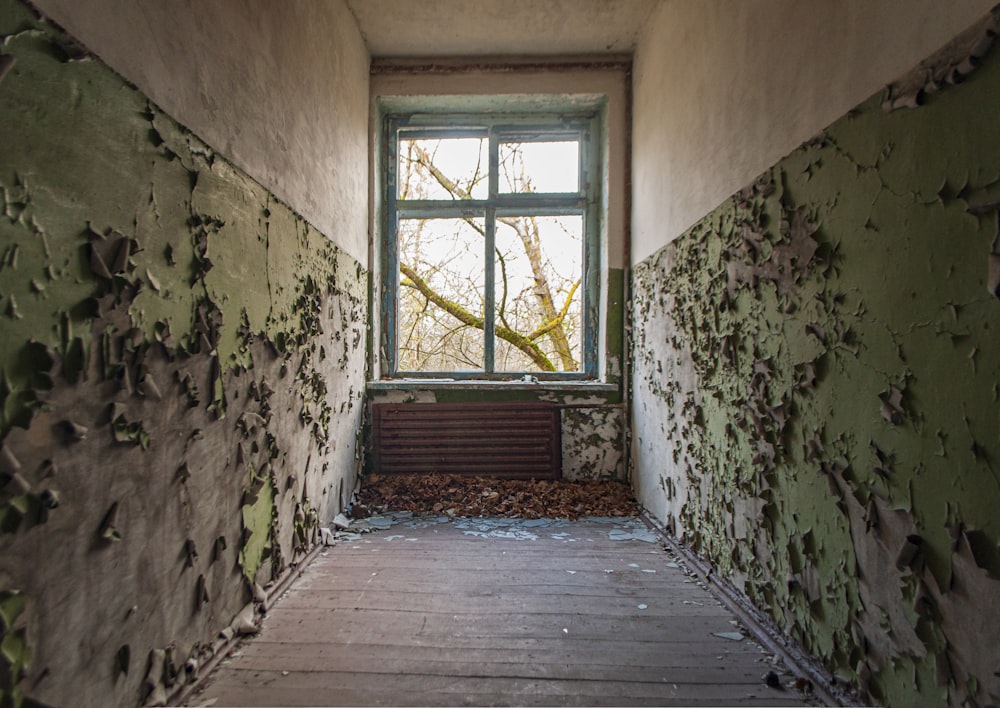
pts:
[587, 202]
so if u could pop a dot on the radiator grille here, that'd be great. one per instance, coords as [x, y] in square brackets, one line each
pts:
[504, 440]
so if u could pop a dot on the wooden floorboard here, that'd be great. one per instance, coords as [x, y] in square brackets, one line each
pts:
[312, 656]
[428, 614]
[485, 666]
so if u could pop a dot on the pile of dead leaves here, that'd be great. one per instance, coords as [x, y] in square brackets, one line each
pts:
[453, 495]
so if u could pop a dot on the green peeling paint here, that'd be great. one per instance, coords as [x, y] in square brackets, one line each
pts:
[156, 304]
[15, 654]
[836, 318]
[614, 322]
[202, 231]
[258, 522]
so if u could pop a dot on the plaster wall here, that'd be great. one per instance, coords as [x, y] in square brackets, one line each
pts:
[815, 403]
[723, 90]
[500, 27]
[181, 375]
[280, 89]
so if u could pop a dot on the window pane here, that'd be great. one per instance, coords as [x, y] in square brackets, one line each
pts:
[440, 305]
[452, 168]
[540, 167]
[539, 271]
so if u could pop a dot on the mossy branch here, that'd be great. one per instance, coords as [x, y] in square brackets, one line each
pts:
[462, 315]
[558, 320]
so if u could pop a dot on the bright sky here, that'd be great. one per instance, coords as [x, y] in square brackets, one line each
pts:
[550, 166]
[449, 254]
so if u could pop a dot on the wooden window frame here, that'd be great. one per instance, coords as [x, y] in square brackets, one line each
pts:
[526, 126]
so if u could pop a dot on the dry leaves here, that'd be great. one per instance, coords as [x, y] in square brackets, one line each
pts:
[453, 495]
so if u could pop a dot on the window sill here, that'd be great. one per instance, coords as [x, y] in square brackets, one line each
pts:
[482, 385]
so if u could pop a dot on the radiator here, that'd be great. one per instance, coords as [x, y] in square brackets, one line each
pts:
[503, 440]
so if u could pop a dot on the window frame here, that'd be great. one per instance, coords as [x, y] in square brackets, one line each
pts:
[552, 121]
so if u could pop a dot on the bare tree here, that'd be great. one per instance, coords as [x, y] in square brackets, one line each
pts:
[441, 305]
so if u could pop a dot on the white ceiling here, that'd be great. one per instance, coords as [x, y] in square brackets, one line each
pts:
[450, 28]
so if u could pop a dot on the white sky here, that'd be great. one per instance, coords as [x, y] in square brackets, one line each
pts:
[451, 251]
[551, 167]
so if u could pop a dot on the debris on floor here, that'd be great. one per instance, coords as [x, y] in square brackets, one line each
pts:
[435, 612]
[457, 496]
[616, 528]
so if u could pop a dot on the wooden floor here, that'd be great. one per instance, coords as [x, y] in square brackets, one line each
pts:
[497, 613]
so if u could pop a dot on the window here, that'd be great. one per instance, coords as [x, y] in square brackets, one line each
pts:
[490, 240]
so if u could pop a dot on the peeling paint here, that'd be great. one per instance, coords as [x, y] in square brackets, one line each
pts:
[950, 66]
[813, 410]
[258, 525]
[593, 442]
[181, 378]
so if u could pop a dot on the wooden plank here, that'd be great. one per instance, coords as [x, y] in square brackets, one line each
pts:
[592, 571]
[595, 570]
[499, 664]
[307, 623]
[451, 619]
[542, 670]
[434, 570]
[564, 642]
[462, 539]
[471, 603]
[608, 653]
[464, 548]
[582, 584]
[315, 688]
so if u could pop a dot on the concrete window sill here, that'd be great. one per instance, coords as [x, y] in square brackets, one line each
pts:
[472, 384]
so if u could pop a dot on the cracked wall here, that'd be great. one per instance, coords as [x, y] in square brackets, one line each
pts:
[182, 379]
[815, 392]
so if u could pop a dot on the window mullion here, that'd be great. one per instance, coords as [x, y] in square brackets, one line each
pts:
[390, 247]
[589, 181]
[489, 315]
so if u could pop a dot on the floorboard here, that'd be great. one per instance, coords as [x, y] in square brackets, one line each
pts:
[431, 614]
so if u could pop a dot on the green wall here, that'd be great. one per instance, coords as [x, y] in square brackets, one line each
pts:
[817, 393]
[181, 374]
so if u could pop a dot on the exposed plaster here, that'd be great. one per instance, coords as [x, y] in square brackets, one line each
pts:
[593, 442]
[812, 370]
[182, 375]
[950, 66]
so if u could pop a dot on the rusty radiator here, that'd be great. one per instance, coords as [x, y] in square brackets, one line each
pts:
[503, 440]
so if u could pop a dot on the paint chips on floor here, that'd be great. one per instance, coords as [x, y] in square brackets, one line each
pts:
[620, 528]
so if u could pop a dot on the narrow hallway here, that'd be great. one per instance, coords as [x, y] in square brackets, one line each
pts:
[472, 611]
[741, 259]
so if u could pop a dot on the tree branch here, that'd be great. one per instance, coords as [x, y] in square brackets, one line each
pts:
[557, 321]
[452, 187]
[462, 315]
[527, 231]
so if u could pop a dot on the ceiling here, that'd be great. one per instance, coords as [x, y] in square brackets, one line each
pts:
[451, 28]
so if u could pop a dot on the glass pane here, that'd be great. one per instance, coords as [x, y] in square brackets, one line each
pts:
[540, 167]
[441, 289]
[539, 270]
[452, 168]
